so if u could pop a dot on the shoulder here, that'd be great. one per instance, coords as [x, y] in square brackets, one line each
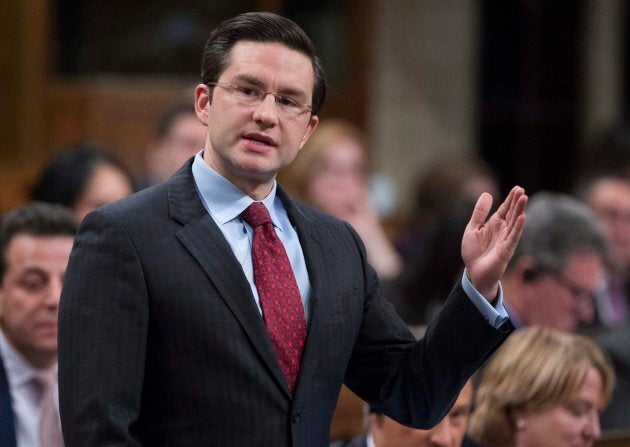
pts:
[616, 341]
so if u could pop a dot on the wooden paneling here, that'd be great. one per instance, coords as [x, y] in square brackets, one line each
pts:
[614, 438]
[119, 113]
[348, 418]
[41, 112]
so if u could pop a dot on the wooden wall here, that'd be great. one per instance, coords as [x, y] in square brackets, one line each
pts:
[41, 111]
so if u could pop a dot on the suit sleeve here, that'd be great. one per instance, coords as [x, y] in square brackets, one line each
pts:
[103, 323]
[416, 383]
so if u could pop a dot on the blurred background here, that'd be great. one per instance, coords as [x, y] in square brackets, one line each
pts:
[531, 87]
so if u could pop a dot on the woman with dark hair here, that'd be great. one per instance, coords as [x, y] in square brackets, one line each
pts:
[83, 177]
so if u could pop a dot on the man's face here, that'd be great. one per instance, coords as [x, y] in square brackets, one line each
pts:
[610, 200]
[30, 292]
[565, 299]
[448, 433]
[248, 145]
[184, 139]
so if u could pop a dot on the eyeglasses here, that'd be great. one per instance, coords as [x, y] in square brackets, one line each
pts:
[252, 96]
[612, 214]
[580, 294]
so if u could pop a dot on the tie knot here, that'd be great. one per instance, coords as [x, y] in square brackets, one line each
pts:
[256, 214]
[45, 379]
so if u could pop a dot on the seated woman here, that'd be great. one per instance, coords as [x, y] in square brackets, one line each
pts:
[332, 173]
[83, 177]
[542, 388]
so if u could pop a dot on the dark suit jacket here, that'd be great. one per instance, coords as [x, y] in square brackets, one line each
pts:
[161, 343]
[7, 426]
[617, 344]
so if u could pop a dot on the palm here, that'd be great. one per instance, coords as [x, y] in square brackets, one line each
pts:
[487, 246]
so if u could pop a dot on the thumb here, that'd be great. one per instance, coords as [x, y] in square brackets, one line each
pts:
[482, 208]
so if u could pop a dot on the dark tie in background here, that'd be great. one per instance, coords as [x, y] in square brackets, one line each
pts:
[280, 300]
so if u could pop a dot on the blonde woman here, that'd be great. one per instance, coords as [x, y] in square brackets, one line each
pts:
[543, 388]
[332, 173]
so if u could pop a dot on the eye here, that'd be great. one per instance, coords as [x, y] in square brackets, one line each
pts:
[287, 102]
[459, 415]
[248, 91]
[32, 283]
[578, 409]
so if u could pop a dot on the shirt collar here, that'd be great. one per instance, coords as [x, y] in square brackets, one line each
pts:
[224, 200]
[19, 369]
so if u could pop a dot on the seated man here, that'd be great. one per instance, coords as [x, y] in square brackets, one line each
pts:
[385, 432]
[35, 244]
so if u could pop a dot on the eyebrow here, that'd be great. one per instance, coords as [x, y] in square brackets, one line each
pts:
[258, 83]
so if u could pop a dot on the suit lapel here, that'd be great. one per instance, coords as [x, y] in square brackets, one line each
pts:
[207, 245]
[315, 257]
[7, 429]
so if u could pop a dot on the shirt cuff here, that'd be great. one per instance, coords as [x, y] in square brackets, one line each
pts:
[495, 315]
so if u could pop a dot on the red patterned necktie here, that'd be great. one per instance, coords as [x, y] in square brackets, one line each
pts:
[282, 308]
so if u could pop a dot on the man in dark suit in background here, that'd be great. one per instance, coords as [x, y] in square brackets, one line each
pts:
[449, 432]
[175, 331]
[616, 343]
[35, 244]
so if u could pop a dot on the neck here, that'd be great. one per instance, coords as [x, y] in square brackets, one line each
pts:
[257, 186]
[38, 359]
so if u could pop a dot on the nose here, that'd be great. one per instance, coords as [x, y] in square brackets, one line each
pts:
[442, 435]
[54, 293]
[592, 430]
[266, 113]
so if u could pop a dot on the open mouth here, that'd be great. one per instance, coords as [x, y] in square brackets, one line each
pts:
[260, 139]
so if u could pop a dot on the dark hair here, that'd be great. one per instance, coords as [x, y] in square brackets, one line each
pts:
[35, 219]
[260, 27]
[170, 115]
[64, 179]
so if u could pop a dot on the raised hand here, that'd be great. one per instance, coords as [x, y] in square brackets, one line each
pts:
[488, 245]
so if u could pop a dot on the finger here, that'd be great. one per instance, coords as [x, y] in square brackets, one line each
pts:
[481, 210]
[516, 207]
[514, 236]
[518, 210]
[504, 208]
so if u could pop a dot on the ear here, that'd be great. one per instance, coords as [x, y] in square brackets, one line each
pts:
[202, 100]
[520, 419]
[310, 128]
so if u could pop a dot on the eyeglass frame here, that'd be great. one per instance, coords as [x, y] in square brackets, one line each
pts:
[579, 294]
[262, 94]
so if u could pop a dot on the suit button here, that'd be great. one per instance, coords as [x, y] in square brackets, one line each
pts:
[295, 417]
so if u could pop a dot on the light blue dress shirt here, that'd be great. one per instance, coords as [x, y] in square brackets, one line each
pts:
[225, 202]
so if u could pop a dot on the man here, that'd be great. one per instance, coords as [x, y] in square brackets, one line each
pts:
[179, 136]
[609, 198]
[616, 343]
[35, 244]
[215, 310]
[554, 274]
[449, 432]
